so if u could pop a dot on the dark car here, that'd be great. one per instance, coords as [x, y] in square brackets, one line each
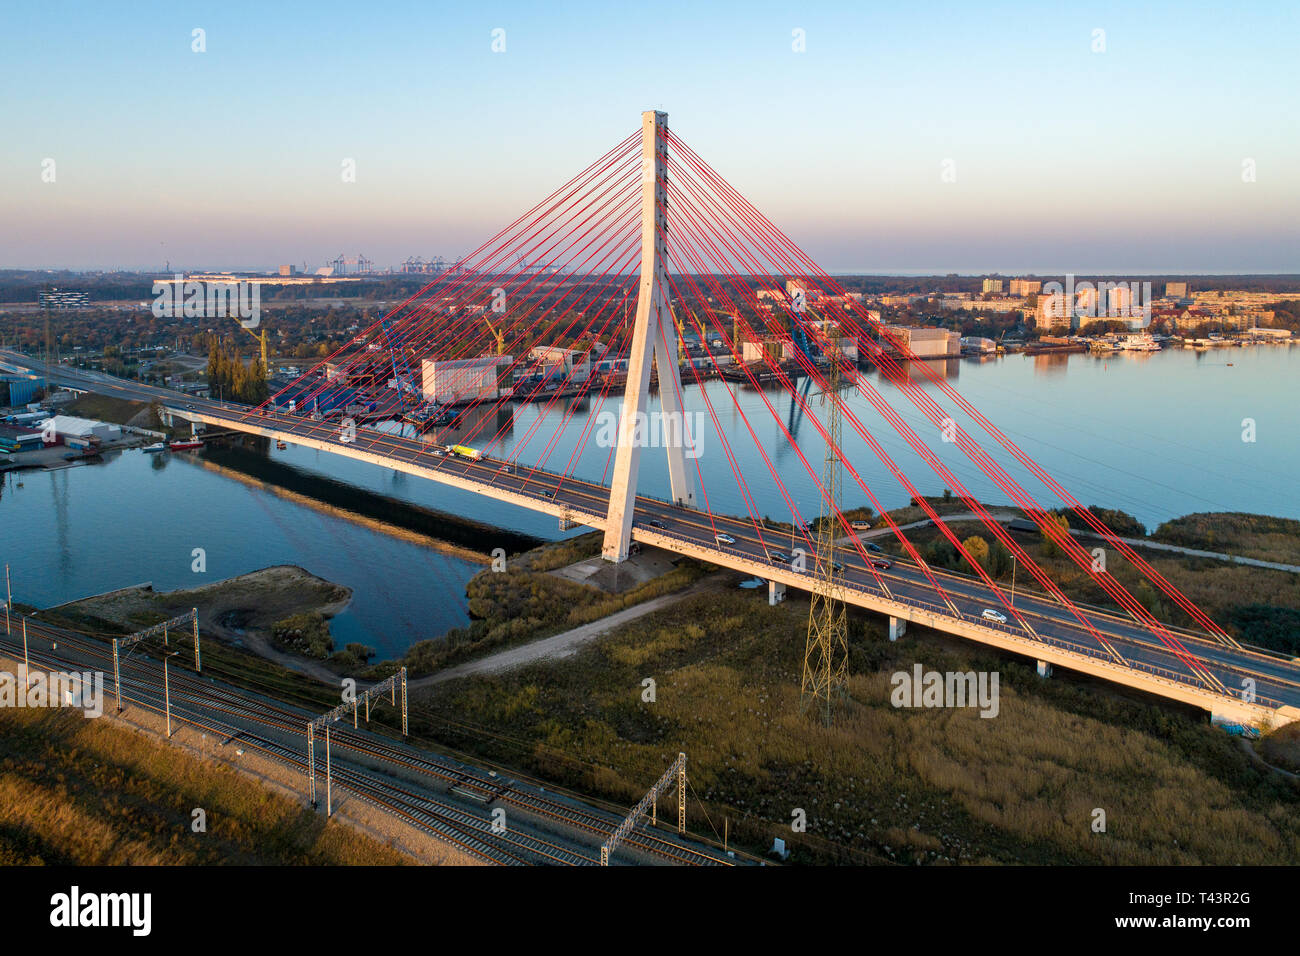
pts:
[780, 557]
[655, 523]
[875, 549]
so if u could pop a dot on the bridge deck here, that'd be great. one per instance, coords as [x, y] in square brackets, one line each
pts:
[902, 591]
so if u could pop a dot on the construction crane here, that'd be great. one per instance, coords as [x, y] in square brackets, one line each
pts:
[266, 365]
[681, 341]
[497, 334]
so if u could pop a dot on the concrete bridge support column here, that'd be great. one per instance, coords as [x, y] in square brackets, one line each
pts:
[775, 592]
[1233, 722]
[897, 628]
[1044, 669]
[651, 334]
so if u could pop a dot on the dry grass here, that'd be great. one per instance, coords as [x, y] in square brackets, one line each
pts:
[1252, 536]
[1282, 748]
[561, 553]
[904, 785]
[109, 409]
[92, 793]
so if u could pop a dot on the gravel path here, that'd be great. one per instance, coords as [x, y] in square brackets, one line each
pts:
[563, 644]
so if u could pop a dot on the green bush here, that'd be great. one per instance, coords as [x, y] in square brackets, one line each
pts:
[353, 656]
[307, 634]
[1277, 628]
[1120, 522]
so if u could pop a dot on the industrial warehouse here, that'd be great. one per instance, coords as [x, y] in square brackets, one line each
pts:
[34, 435]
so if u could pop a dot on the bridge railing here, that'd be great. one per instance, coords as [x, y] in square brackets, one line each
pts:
[1114, 613]
[933, 608]
[943, 611]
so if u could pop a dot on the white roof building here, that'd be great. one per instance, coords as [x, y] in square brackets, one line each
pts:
[65, 426]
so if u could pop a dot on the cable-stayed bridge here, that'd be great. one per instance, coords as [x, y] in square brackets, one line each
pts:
[619, 298]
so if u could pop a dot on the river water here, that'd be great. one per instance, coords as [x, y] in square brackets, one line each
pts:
[78, 531]
[1158, 435]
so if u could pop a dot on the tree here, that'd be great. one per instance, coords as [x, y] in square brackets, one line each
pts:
[1050, 547]
[941, 554]
[999, 560]
[978, 549]
[1147, 597]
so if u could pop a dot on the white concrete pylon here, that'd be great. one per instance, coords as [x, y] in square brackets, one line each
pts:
[650, 343]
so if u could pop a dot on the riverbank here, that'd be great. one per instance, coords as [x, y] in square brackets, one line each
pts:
[281, 614]
[242, 612]
[248, 456]
[540, 594]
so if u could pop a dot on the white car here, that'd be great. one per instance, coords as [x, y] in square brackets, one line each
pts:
[724, 538]
[992, 615]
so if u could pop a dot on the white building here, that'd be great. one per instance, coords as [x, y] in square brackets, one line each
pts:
[1052, 313]
[68, 426]
[770, 347]
[460, 381]
[1121, 300]
[924, 342]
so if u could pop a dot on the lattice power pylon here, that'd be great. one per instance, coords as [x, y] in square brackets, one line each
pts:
[826, 653]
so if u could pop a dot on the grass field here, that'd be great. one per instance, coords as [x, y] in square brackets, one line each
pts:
[1251, 536]
[105, 408]
[881, 784]
[90, 792]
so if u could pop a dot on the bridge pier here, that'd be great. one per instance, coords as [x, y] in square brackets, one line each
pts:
[1044, 669]
[654, 328]
[775, 592]
[1236, 721]
[897, 628]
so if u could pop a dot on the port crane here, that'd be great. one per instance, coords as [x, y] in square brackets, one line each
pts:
[497, 334]
[261, 340]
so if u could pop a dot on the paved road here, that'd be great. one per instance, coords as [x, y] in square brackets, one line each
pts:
[1095, 633]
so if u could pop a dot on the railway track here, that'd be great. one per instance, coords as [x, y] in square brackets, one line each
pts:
[191, 695]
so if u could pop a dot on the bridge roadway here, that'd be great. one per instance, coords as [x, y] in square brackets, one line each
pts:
[1057, 637]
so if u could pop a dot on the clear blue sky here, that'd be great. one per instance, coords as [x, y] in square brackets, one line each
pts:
[1123, 161]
